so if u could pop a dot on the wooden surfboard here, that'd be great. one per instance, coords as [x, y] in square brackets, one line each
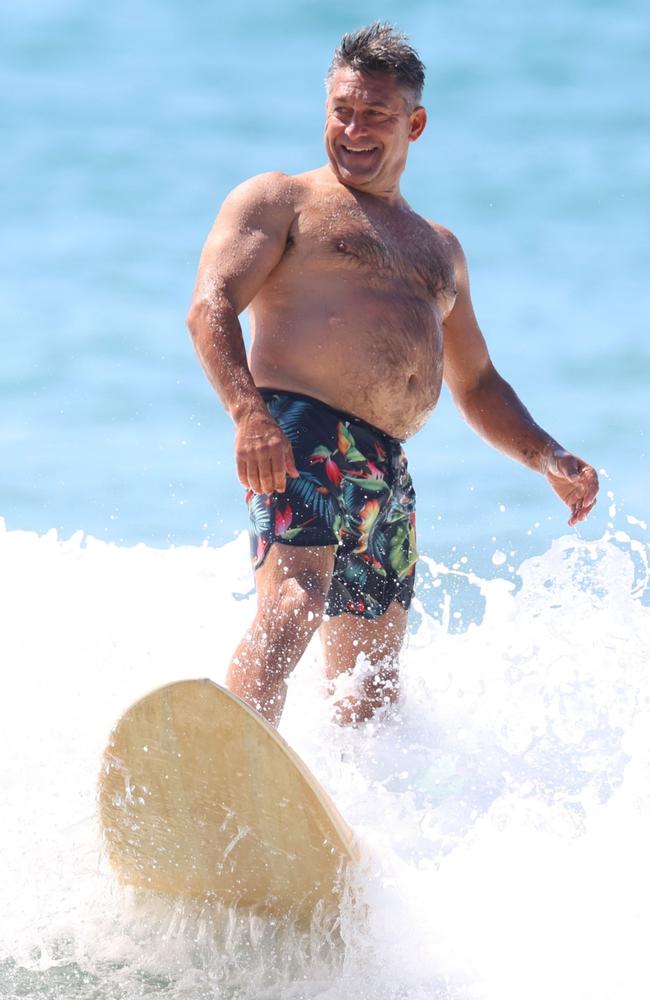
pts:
[200, 797]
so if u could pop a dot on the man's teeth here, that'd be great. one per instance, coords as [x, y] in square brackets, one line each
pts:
[364, 149]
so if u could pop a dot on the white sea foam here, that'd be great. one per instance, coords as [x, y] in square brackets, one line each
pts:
[504, 810]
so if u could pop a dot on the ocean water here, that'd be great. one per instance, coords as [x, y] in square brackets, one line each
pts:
[505, 810]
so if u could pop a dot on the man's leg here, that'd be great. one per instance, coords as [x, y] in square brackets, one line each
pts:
[380, 640]
[292, 586]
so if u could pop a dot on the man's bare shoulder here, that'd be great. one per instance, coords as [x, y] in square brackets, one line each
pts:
[454, 249]
[447, 237]
[263, 191]
[274, 194]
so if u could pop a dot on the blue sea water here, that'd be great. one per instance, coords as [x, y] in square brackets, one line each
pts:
[124, 128]
[513, 789]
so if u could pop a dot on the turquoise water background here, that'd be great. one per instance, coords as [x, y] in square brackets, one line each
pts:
[126, 124]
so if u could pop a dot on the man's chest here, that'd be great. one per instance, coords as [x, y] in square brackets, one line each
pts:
[381, 247]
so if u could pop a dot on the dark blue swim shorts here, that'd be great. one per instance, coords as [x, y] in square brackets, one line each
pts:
[354, 491]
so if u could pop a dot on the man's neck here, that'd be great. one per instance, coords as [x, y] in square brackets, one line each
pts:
[389, 193]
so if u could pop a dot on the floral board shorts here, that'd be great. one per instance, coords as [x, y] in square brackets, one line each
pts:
[354, 491]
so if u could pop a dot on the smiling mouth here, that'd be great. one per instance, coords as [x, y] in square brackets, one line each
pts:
[360, 151]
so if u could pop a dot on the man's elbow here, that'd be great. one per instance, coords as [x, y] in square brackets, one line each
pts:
[203, 315]
[467, 392]
[209, 312]
[196, 316]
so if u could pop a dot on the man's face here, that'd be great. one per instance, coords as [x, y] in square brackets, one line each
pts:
[368, 127]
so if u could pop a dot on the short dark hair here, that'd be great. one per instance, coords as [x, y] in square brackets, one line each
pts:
[381, 48]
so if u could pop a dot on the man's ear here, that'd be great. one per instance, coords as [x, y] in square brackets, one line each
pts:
[417, 123]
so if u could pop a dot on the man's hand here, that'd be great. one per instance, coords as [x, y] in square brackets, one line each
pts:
[575, 482]
[263, 454]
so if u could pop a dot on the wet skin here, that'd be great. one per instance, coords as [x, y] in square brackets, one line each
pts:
[357, 300]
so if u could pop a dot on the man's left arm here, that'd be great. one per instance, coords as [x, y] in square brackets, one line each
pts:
[491, 406]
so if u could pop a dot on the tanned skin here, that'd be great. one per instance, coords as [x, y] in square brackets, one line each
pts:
[358, 301]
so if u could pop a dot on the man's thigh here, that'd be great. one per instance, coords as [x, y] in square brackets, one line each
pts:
[293, 568]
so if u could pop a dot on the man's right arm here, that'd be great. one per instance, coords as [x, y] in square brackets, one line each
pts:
[245, 244]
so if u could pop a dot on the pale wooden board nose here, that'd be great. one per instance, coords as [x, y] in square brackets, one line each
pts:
[199, 796]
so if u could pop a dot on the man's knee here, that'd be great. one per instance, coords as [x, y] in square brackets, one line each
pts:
[382, 686]
[376, 689]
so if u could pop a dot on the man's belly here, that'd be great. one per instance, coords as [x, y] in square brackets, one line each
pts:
[386, 369]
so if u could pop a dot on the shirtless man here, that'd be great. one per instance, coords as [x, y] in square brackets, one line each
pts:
[359, 307]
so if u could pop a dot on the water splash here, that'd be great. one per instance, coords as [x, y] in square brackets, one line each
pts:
[504, 809]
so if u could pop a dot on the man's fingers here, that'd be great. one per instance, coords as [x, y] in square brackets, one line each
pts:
[580, 512]
[575, 513]
[242, 472]
[252, 473]
[592, 486]
[290, 462]
[283, 465]
[586, 509]
[279, 475]
[580, 497]
[274, 480]
[264, 463]
[280, 466]
[265, 474]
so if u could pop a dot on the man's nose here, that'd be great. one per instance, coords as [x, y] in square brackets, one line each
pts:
[356, 126]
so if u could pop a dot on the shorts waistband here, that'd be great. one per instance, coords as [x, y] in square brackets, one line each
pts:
[393, 443]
